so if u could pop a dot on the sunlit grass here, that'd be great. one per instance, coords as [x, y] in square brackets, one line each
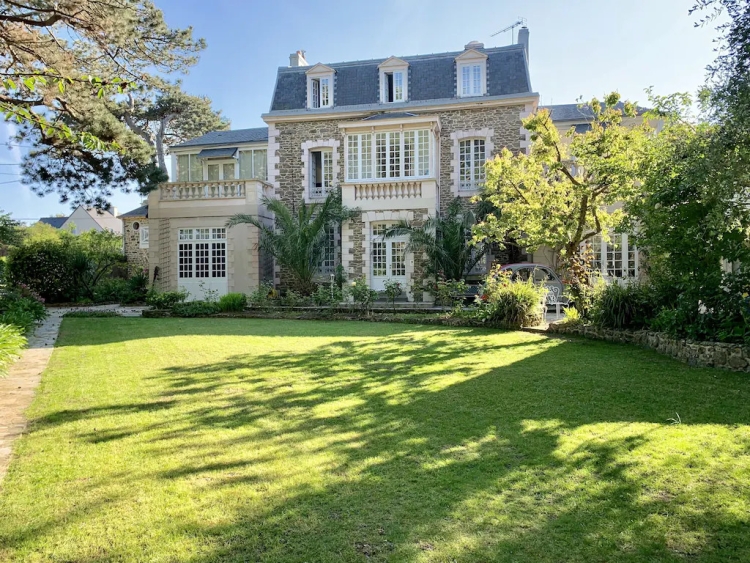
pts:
[259, 440]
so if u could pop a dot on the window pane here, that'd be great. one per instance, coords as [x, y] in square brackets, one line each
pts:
[185, 260]
[464, 166]
[228, 171]
[183, 168]
[352, 162]
[394, 156]
[423, 152]
[409, 153]
[398, 86]
[201, 260]
[380, 155]
[465, 80]
[398, 264]
[218, 259]
[246, 165]
[196, 169]
[324, 92]
[477, 80]
[366, 147]
[327, 171]
[213, 172]
[478, 162]
[315, 88]
[260, 165]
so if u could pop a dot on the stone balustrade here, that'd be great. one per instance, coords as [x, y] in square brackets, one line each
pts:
[220, 189]
[388, 190]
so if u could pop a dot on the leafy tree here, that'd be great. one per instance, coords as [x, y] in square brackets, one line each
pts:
[10, 230]
[95, 254]
[445, 240]
[298, 239]
[562, 193]
[72, 70]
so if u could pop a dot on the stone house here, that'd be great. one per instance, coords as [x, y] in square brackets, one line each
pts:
[401, 137]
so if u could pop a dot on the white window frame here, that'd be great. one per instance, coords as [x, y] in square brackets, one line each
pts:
[471, 62]
[216, 239]
[191, 157]
[361, 169]
[621, 249]
[474, 184]
[254, 173]
[221, 163]
[319, 81]
[458, 137]
[307, 179]
[143, 236]
[394, 66]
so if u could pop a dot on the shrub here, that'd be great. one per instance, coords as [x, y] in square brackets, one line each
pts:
[392, 291]
[137, 288]
[327, 295]
[624, 306]
[45, 267]
[510, 304]
[166, 299]
[448, 293]
[262, 296]
[12, 342]
[194, 309]
[362, 295]
[22, 307]
[111, 290]
[232, 302]
[572, 317]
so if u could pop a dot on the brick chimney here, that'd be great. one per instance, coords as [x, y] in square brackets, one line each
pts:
[297, 59]
[523, 39]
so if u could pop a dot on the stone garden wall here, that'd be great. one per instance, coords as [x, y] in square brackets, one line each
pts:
[735, 357]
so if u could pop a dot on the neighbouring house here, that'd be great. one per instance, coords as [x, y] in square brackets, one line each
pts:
[86, 219]
[135, 233]
[400, 136]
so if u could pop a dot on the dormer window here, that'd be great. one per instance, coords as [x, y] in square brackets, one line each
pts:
[320, 87]
[471, 68]
[394, 80]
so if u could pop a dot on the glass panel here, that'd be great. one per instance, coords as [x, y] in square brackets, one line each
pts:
[328, 264]
[324, 92]
[423, 150]
[260, 165]
[246, 165]
[464, 166]
[327, 171]
[398, 86]
[183, 168]
[186, 234]
[218, 259]
[366, 147]
[394, 161]
[196, 169]
[465, 80]
[398, 264]
[227, 171]
[201, 260]
[315, 87]
[378, 259]
[479, 159]
[632, 261]
[185, 259]
[202, 234]
[477, 80]
[219, 233]
[614, 258]
[380, 155]
[409, 153]
[213, 172]
[352, 158]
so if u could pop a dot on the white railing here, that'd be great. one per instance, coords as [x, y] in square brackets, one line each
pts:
[470, 185]
[388, 190]
[220, 189]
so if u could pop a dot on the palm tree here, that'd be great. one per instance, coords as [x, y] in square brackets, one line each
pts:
[445, 241]
[298, 239]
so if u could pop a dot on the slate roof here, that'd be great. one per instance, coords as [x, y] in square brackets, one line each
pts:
[432, 79]
[56, 222]
[141, 211]
[236, 137]
[574, 112]
[225, 152]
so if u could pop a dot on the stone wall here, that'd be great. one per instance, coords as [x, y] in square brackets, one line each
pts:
[136, 256]
[733, 357]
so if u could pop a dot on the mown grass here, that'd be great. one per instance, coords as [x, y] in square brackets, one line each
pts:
[272, 440]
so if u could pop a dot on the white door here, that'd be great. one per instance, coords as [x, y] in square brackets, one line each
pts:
[202, 262]
[388, 258]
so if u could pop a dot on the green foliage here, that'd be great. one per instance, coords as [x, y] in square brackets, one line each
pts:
[298, 239]
[43, 232]
[262, 296]
[291, 298]
[195, 309]
[232, 302]
[625, 306]
[445, 240]
[362, 295]
[165, 299]
[325, 296]
[448, 292]
[12, 342]
[340, 276]
[510, 304]
[392, 291]
[44, 266]
[110, 290]
[93, 256]
[10, 230]
[558, 195]
[571, 316]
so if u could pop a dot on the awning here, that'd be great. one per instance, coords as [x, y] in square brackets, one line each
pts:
[228, 152]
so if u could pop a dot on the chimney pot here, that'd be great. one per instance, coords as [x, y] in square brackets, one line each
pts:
[523, 39]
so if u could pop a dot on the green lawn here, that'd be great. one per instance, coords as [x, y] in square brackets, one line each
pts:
[260, 440]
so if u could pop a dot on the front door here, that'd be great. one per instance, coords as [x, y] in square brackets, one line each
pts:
[388, 257]
[202, 262]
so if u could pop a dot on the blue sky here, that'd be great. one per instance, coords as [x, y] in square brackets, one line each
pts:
[578, 48]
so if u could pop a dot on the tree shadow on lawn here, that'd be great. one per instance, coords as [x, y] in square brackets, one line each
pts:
[402, 449]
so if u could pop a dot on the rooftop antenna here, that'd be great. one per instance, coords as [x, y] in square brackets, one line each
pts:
[521, 21]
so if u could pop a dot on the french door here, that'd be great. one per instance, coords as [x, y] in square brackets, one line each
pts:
[388, 258]
[202, 262]
[220, 171]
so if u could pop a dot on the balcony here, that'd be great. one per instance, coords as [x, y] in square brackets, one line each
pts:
[220, 189]
[208, 198]
[391, 194]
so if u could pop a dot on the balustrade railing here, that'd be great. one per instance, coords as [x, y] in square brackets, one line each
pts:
[222, 189]
[388, 190]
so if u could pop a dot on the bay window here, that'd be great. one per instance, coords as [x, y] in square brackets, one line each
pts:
[471, 161]
[393, 154]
